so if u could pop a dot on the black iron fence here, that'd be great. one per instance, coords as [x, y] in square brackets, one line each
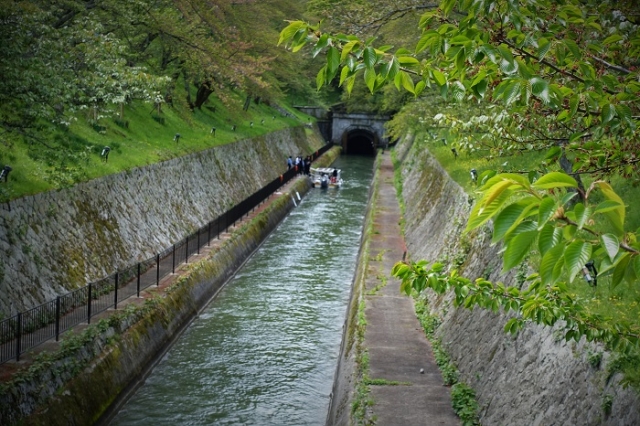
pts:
[30, 328]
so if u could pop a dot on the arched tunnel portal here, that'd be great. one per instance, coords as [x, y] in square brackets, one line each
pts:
[359, 141]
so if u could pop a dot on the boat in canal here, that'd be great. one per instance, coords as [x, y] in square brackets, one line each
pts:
[326, 177]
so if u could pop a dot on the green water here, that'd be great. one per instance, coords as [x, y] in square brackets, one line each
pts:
[265, 350]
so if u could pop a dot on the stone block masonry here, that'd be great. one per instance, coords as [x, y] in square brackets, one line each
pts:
[54, 242]
[534, 378]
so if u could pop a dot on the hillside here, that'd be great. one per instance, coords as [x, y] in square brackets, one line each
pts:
[79, 77]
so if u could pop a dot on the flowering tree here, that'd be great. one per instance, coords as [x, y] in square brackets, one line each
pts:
[548, 75]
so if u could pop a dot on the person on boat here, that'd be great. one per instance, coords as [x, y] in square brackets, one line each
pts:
[324, 182]
[334, 176]
[289, 163]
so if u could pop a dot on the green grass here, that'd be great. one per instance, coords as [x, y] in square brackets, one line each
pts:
[72, 155]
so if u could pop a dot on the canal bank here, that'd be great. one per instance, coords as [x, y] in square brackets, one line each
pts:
[265, 350]
[101, 362]
[386, 372]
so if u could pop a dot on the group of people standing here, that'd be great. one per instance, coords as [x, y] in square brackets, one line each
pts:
[302, 165]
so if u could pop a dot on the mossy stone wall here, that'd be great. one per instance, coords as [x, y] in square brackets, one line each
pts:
[119, 355]
[57, 241]
[534, 378]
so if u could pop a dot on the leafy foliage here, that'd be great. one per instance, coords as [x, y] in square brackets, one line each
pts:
[560, 77]
[556, 76]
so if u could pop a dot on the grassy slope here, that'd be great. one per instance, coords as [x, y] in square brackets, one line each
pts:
[76, 153]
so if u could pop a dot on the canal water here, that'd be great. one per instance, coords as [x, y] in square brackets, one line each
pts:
[265, 350]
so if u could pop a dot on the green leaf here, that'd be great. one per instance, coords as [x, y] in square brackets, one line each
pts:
[518, 248]
[573, 47]
[549, 236]
[636, 265]
[616, 217]
[390, 70]
[408, 61]
[343, 74]
[543, 48]
[447, 6]
[540, 88]
[290, 30]
[553, 153]
[369, 57]
[333, 62]
[407, 83]
[457, 91]
[611, 245]
[555, 180]
[347, 48]
[575, 256]
[625, 113]
[607, 206]
[439, 77]
[478, 217]
[480, 88]
[581, 214]
[320, 78]
[506, 219]
[551, 264]
[419, 87]
[613, 38]
[608, 113]
[620, 270]
[370, 78]
[546, 210]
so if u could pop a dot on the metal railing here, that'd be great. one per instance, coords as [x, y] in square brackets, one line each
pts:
[30, 328]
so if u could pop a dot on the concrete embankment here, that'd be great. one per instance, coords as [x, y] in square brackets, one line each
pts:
[386, 373]
[94, 369]
[534, 378]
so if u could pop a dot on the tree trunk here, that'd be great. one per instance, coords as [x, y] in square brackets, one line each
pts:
[247, 102]
[204, 91]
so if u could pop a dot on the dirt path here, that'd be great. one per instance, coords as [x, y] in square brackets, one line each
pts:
[397, 347]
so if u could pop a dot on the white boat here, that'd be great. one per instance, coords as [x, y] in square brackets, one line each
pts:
[326, 177]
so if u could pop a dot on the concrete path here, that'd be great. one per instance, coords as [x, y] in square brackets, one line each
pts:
[394, 339]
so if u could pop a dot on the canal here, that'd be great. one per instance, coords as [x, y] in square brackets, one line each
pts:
[265, 350]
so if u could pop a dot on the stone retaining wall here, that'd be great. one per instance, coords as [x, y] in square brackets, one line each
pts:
[57, 241]
[110, 364]
[535, 378]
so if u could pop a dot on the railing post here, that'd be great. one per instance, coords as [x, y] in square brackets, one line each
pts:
[198, 248]
[158, 269]
[89, 306]
[18, 336]
[138, 282]
[186, 251]
[115, 294]
[209, 235]
[57, 318]
[173, 260]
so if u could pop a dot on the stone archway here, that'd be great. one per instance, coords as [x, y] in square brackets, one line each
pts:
[360, 141]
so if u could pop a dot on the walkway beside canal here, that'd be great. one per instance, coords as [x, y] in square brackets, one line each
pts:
[397, 347]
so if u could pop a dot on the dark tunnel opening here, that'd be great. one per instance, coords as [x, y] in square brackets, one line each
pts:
[360, 142]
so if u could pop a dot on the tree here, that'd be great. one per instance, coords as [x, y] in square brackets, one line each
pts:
[559, 76]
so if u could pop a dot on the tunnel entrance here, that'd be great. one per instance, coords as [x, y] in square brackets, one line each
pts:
[359, 142]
